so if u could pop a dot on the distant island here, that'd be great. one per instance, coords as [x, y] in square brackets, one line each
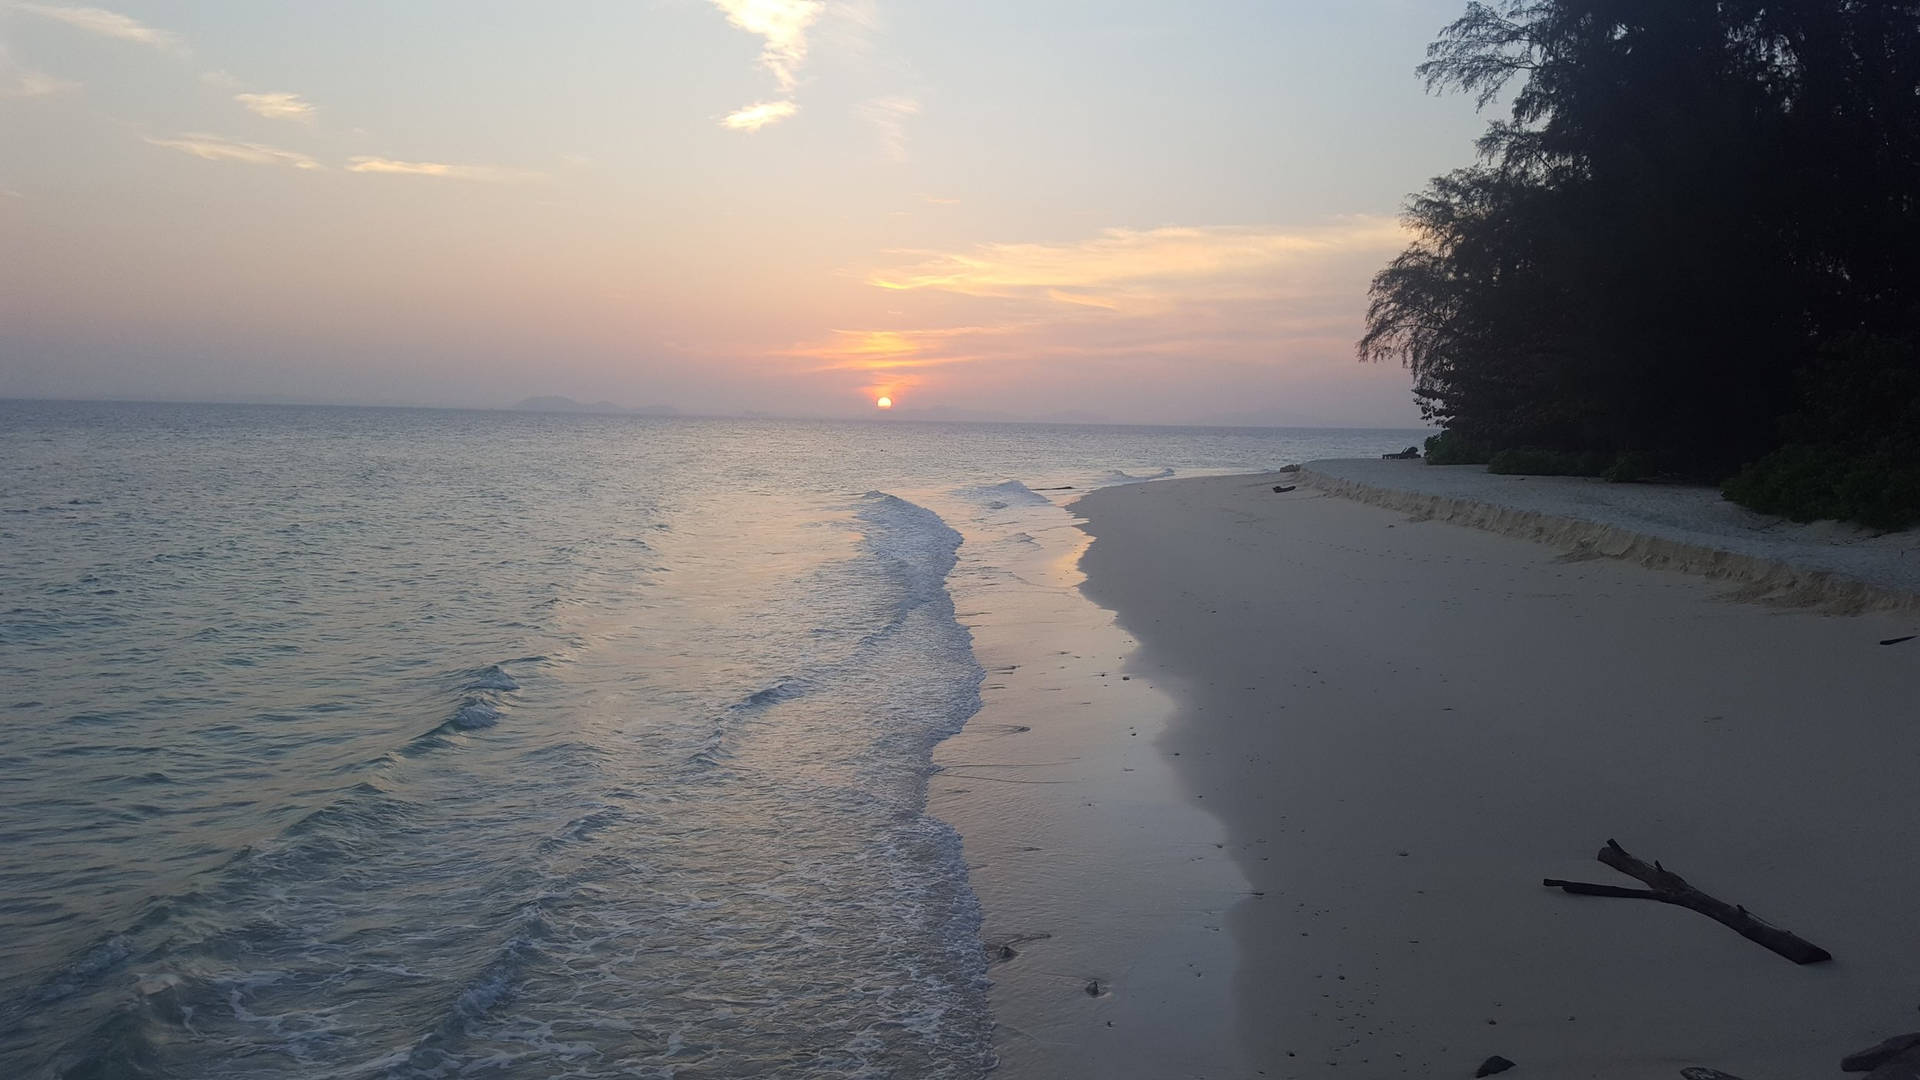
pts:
[556, 403]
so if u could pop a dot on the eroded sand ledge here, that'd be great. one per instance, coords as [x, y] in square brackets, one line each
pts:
[1690, 530]
[1404, 725]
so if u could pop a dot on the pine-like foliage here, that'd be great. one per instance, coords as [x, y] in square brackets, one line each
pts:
[1697, 215]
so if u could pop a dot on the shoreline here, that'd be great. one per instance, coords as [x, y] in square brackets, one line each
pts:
[1103, 889]
[1404, 725]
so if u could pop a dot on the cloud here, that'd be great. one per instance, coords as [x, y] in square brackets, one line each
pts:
[102, 22]
[216, 148]
[279, 105]
[782, 25]
[20, 82]
[1172, 306]
[1122, 268]
[759, 115]
[491, 174]
[890, 350]
[28, 84]
[889, 116]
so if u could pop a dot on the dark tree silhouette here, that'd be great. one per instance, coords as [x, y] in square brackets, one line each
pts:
[1699, 222]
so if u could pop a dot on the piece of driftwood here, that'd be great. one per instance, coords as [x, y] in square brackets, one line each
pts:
[1902, 1067]
[1670, 888]
[1875, 1056]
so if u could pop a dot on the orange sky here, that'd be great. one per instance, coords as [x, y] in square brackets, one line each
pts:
[1127, 211]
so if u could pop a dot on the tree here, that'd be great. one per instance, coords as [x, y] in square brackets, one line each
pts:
[1688, 204]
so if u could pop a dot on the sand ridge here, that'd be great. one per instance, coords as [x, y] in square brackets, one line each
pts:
[1841, 567]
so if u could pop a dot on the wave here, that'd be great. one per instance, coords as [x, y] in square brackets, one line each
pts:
[914, 541]
[772, 695]
[493, 677]
[483, 703]
[1002, 495]
[1115, 476]
[475, 714]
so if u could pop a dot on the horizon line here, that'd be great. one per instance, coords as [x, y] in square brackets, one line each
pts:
[637, 414]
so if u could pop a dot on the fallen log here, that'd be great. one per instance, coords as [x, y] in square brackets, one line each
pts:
[1670, 888]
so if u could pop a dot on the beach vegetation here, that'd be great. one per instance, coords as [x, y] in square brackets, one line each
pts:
[1633, 467]
[1534, 462]
[1453, 448]
[1808, 483]
[1691, 247]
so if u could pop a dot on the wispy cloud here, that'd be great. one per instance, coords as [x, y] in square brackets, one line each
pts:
[30, 84]
[23, 82]
[852, 23]
[759, 115]
[782, 25]
[492, 174]
[889, 116]
[892, 350]
[100, 21]
[1121, 265]
[278, 105]
[216, 148]
[1160, 303]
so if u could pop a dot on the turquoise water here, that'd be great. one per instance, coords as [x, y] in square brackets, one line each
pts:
[378, 742]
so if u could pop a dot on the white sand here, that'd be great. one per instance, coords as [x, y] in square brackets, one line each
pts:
[1403, 726]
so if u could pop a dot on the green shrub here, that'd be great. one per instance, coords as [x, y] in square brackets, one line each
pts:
[1632, 467]
[1548, 463]
[1811, 483]
[1450, 448]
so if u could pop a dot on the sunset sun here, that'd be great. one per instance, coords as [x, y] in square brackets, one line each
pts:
[884, 403]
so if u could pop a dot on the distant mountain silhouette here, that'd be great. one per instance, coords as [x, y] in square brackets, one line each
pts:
[556, 403]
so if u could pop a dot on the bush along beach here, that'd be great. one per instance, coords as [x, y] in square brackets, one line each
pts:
[1690, 251]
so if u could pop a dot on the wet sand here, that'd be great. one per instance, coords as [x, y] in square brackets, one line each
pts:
[1105, 887]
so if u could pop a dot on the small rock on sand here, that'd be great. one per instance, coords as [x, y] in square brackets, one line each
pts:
[1492, 1066]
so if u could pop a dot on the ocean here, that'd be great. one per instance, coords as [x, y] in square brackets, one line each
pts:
[370, 743]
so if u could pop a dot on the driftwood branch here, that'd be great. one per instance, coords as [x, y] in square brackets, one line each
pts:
[1585, 888]
[1670, 888]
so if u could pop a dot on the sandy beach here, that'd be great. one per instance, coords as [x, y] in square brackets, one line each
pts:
[1402, 726]
[1105, 887]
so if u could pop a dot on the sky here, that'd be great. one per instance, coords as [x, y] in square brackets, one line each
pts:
[1129, 211]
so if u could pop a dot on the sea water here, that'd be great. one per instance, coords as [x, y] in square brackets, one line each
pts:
[412, 743]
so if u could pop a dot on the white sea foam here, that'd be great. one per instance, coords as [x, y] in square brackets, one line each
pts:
[1002, 495]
